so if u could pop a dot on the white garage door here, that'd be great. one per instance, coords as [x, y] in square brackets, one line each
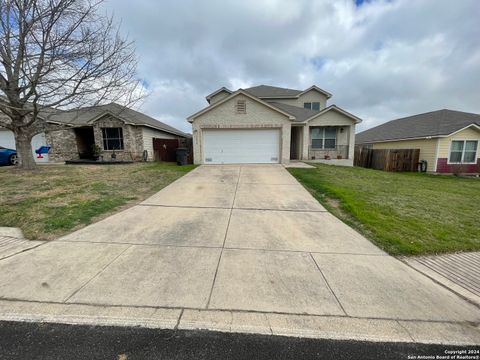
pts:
[7, 140]
[235, 146]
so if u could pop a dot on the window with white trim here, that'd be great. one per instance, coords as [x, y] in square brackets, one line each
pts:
[112, 138]
[463, 151]
[312, 105]
[324, 138]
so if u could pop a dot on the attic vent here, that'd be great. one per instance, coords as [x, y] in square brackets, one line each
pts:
[241, 107]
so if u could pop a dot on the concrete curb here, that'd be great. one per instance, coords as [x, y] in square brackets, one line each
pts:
[12, 232]
[322, 327]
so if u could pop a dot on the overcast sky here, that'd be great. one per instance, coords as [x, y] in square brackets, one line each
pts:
[380, 59]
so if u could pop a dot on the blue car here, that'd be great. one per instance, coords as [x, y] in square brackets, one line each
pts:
[8, 156]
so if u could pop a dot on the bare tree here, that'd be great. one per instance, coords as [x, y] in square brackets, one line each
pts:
[58, 54]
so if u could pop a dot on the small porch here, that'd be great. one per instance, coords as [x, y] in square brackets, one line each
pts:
[85, 140]
[326, 144]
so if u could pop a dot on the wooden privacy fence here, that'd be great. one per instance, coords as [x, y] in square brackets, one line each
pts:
[387, 159]
[165, 149]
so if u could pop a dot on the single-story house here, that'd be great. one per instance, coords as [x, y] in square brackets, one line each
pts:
[267, 124]
[448, 140]
[110, 128]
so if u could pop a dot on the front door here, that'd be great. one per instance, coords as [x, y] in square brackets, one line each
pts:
[295, 142]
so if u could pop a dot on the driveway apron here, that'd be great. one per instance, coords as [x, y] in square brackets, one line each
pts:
[229, 238]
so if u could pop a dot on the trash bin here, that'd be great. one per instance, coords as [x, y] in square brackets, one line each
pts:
[422, 166]
[182, 156]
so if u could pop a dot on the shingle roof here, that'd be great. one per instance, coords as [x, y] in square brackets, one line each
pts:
[266, 91]
[301, 114]
[83, 116]
[436, 123]
[271, 91]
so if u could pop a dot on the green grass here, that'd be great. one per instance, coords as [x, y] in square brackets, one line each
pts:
[403, 213]
[57, 199]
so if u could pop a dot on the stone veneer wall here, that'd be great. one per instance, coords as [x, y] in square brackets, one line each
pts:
[132, 139]
[63, 145]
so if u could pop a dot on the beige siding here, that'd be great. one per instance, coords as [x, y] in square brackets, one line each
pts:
[148, 134]
[310, 96]
[467, 134]
[225, 117]
[428, 149]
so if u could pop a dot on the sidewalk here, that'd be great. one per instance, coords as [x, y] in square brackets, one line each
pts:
[459, 272]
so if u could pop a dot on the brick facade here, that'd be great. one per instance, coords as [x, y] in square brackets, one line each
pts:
[64, 144]
[132, 139]
[225, 117]
[444, 167]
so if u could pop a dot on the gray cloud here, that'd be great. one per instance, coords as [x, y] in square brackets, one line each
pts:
[382, 60]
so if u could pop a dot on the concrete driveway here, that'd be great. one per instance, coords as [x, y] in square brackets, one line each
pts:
[234, 248]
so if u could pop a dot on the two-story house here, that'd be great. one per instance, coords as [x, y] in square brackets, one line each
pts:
[267, 124]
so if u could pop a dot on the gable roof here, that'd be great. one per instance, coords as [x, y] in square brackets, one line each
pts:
[272, 92]
[236, 93]
[315, 87]
[334, 107]
[85, 116]
[222, 89]
[431, 124]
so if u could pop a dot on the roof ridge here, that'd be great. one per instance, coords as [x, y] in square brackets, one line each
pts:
[273, 86]
[424, 113]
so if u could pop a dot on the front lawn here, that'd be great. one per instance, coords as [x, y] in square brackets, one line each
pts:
[56, 199]
[403, 213]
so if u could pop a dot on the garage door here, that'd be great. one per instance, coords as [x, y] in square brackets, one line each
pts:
[7, 140]
[235, 146]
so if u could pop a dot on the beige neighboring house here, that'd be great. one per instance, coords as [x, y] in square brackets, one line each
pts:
[448, 140]
[267, 124]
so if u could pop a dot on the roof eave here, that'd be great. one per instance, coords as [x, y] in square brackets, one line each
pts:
[429, 137]
[223, 88]
[315, 87]
[179, 133]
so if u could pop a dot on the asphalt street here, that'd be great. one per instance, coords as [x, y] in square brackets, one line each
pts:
[21, 340]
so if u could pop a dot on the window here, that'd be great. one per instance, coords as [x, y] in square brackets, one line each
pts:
[241, 107]
[463, 151]
[312, 105]
[330, 138]
[317, 138]
[112, 138]
[324, 138]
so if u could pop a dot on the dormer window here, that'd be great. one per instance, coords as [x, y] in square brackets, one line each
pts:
[312, 105]
[241, 107]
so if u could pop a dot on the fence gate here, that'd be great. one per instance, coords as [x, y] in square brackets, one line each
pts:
[165, 149]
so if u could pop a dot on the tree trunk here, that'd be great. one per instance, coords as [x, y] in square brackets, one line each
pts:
[23, 143]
